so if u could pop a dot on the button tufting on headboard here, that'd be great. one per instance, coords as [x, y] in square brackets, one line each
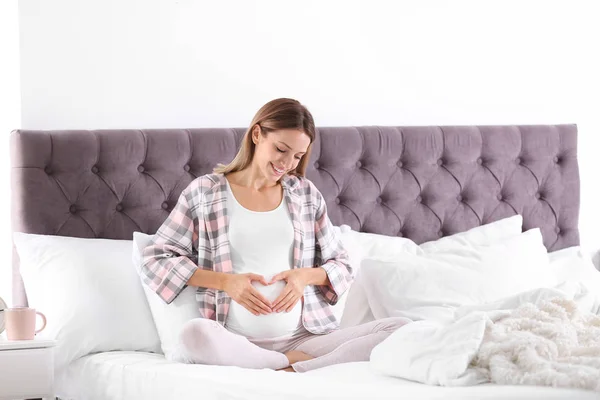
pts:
[412, 181]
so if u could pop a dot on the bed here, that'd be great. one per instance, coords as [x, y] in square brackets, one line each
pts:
[422, 183]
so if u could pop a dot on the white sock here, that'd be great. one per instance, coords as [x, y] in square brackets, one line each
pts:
[204, 341]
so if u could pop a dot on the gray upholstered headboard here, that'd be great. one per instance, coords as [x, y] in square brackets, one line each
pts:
[417, 182]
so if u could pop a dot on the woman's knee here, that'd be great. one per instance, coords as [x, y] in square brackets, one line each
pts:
[390, 324]
[196, 332]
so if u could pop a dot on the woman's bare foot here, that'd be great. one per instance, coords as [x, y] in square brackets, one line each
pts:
[295, 356]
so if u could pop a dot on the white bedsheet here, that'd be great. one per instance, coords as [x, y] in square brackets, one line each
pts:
[137, 375]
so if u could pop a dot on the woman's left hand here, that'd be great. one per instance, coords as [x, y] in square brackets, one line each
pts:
[293, 291]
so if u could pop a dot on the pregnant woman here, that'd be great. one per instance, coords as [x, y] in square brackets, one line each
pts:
[255, 239]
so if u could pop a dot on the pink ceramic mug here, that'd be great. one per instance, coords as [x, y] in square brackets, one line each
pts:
[20, 323]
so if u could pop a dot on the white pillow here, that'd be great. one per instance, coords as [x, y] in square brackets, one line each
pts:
[480, 235]
[389, 248]
[89, 293]
[168, 318]
[577, 277]
[360, 246]
[380, 247]
[357, 310]
[572, 264]
[350, 308]
[432, 285]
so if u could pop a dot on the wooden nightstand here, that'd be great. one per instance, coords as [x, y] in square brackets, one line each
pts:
[26, 369]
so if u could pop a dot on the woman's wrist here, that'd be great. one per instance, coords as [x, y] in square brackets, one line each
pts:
[315, 276]
[209, 279]
[223, 280]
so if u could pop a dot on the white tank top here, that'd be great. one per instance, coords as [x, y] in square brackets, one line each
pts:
[261, 243]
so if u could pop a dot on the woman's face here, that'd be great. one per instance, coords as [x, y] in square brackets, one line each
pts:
[279, 152]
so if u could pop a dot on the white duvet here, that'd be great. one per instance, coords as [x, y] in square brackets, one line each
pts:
[145, 376]
[547, 337]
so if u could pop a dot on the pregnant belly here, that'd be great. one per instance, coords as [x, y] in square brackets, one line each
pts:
[243, 322]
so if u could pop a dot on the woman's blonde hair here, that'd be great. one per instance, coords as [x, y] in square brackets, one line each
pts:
[275, 115]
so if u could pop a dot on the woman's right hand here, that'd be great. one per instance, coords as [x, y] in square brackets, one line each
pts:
[239, 288]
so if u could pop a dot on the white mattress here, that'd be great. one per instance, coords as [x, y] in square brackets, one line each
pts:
[136, 375]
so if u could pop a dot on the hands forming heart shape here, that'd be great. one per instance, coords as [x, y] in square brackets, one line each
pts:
[239, 287]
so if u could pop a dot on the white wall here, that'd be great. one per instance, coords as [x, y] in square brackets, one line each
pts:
[185, 63]
[10, 118]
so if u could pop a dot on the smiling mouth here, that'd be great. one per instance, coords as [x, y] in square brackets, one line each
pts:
[277, 170]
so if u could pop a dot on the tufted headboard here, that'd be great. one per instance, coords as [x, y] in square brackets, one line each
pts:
[418, 182]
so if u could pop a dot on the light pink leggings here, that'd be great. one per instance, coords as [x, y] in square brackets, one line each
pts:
[203, 341]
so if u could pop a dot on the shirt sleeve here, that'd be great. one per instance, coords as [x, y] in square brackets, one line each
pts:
[175, 252]
[332, 255]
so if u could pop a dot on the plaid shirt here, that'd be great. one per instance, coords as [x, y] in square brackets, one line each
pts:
[195, 236]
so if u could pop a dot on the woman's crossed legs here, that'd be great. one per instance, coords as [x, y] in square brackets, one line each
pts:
[204, 341]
